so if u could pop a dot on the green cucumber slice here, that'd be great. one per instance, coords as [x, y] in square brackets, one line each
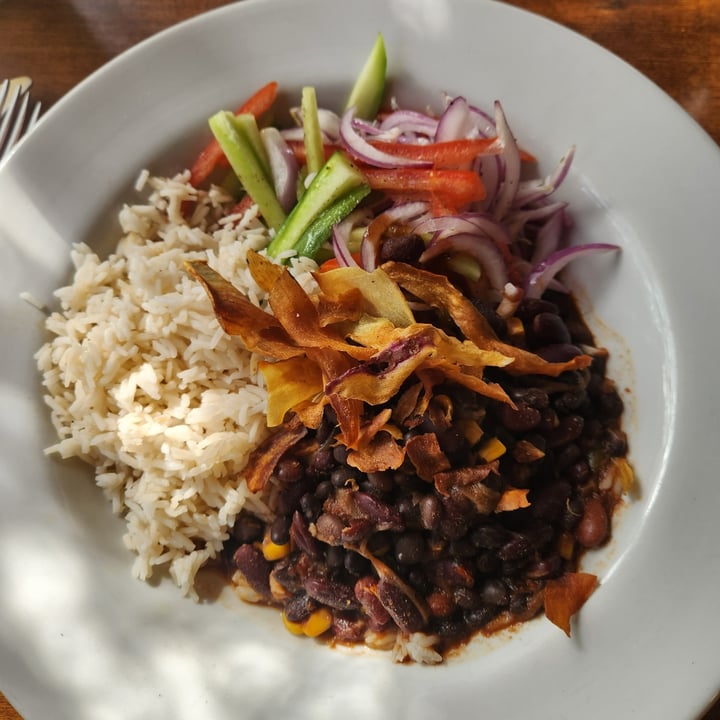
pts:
[367, 93]
[334, 179]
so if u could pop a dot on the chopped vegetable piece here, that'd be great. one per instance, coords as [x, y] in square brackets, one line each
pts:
[367, 93]
[212, 154]
[320, 229]
[311, 131]
[250, 168]
[336, 178]
[565, 595]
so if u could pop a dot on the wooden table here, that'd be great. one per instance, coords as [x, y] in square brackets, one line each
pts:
[676, 43]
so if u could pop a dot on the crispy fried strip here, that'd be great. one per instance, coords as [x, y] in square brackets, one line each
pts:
[298, 315]
[381, 453]
[438, 291]
[259, 331]
[348, 410]
[263, 459]
[427, 457]
[265, 272]
[565, 595]
[290, 383]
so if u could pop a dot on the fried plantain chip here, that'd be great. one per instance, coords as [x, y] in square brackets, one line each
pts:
[298, 315]
[381, 297]
[259, 331]
[565, 595]
[263, 459]
[290, 383]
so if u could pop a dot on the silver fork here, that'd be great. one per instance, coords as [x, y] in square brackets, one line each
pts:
[14, 103]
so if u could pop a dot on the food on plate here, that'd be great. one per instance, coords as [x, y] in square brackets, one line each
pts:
[335, 357]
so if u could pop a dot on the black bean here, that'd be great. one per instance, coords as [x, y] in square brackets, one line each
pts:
[569, 428]
[610, 404]
[248, 528]
[535, 397]
[299, 607]
[356, 564]
[410, 548]
[614, 442]
[517, 548]
[490, 537]
[529, 307]
[289, 469]
[310, 506]
[342, 475]
[401, 607]
[466, 598]
[549, 502]
[335, 557]
[549, 329]
[401, 248]
[381, 481]
[323, 460]
[323, 490]
[494, 592]
[340, 453]
[480, 616]
[280, 529]
[560, 352]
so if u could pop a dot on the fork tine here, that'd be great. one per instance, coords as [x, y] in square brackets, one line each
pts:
[34, 116]
[4, 85]
[18, 124]
[7, 116]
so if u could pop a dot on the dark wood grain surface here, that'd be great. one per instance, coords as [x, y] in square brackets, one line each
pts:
[675, 43]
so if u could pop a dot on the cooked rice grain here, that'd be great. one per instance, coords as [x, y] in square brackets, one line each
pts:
[144, 385]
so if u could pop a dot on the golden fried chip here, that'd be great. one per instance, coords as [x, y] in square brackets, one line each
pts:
[259, 331]
[290, 383]
[381, 297]
[565, 595]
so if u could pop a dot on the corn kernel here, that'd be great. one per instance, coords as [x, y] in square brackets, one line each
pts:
[271, 551]
[492, 450]
[294, 627]
[566, 545]
[317, 623]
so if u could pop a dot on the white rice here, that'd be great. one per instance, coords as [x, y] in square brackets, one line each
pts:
[144, 385]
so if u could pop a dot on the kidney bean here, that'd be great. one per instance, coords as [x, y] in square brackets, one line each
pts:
[331, 593]
[348, 627]
[430, 509]
[549, 329]
[366, 593]
[594, 524]
[300, 535]
[401, 607]
[524, 418]
[255, 568]
[441, 603]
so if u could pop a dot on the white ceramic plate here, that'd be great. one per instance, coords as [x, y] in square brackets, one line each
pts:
[79, 638]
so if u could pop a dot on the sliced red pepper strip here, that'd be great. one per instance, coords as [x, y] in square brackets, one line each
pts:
[455, 187]
[212, 156]
[334, 263]
[442, 154]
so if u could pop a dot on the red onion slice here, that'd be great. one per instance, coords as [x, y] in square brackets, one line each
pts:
[544, 272]
[283, 167]
[410, 121]
[455, 123]
[468, 223]
[517, 220]
[480, 248]
[341, 235]
[511, 157]
[532, 191]
[362, 150]
[548, 237]
[370, 245]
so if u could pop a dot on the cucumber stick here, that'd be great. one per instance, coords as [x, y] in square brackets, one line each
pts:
[311, 130]
[367, 93]
[247, 159]
[334, 179]
[318, 232]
